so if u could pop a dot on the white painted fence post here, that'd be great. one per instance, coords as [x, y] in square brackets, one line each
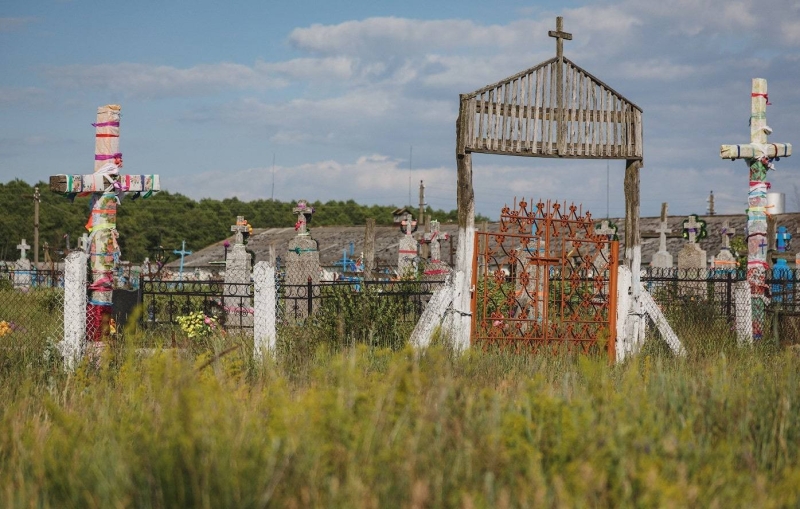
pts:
[744, 312]
[72, 346]
[264, 301]
[435, 311]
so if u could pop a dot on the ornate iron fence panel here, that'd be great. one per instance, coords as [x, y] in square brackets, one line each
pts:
[545, 279]
[230, 304]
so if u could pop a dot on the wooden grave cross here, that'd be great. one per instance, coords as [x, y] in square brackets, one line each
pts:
[560, 35]
[106, 186]
[23, 248]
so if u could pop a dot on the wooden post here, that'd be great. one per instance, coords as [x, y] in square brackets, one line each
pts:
[633, 239]
[36, 199]
[561, 125]
[369, 249]
[465, 196]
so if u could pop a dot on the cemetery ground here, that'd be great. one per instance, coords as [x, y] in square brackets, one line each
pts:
[332, 424]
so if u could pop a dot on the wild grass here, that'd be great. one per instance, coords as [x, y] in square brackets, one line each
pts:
[367, 427]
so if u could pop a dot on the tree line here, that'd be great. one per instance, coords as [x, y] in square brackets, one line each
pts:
[163, 220]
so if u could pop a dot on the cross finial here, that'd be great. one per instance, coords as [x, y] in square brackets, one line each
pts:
[560, 35]
[304, 212]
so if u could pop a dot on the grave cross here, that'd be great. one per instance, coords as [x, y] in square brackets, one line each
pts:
[106, 186]
[560, 35]
[692, 227]
[408, 224]
[302, 210]
[23, 248]
[608, 230]
[240, 228]
[758, 156]
[663, 229]
[727, 232]
[183, 252]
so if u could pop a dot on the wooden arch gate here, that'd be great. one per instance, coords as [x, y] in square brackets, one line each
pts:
[554, 109]
[545, 279]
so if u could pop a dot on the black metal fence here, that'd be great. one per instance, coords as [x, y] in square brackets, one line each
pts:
[703, 301]
[229, 304]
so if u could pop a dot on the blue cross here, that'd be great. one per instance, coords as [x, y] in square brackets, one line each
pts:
[762, 245]
[183, 252]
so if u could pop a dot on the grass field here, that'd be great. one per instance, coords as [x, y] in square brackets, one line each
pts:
[364, 427]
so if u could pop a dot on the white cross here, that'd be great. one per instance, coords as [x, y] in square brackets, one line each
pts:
[240, 227]
[408, 224]
[692, 227]
[23, 248]
[663, 229]
[608, 231]
[727, 232]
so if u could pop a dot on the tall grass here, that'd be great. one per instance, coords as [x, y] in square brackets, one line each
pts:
[366, 427]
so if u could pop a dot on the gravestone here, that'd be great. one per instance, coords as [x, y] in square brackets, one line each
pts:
[407, 249]
[663, 258]
[302, 263]
[725, 259]
[236, 294]
[692, 261]
[22, 267]
[436, 268]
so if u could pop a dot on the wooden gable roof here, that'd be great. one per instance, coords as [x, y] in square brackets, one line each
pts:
[520, 115]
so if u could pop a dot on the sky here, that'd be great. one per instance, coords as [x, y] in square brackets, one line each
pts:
[358, 99]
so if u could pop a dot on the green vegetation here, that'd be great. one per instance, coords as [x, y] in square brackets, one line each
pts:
[165, 219]
[330, 425]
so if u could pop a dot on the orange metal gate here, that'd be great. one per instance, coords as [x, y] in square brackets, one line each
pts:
[546, 279]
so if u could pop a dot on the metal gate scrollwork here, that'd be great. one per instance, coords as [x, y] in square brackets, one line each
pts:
[545, 280]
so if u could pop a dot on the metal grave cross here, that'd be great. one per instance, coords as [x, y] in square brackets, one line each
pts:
[240, 228]
[183, 252]
[106, 186]
[727, 232]
[692, 227]
[23, 248]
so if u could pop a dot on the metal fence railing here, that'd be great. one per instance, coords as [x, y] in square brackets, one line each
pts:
[702, 302]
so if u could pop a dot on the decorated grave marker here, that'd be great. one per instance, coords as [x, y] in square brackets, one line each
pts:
[692, 260]
[302, 259]
[236, 295]
[759, 156]
[725, 259]
[436, 268]
[407, 249]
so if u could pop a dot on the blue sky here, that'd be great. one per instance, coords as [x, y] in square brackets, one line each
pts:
[340, 91]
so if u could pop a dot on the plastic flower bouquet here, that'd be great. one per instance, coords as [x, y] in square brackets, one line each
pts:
[197, 324]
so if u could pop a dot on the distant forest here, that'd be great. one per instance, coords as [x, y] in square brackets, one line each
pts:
[164, 220]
